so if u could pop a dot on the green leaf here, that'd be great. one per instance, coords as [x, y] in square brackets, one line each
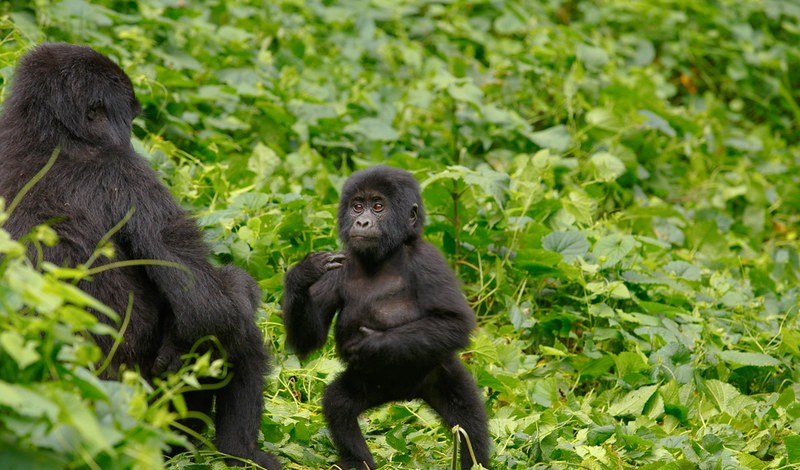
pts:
[683, 270]
[599, 434]
[727, 398]
[490, 181]
[466, 92]
[10, 246]
[792, 444]
[374, 129]
[24, 353]
[484, 179]
[654, 121]
[607, 167]
[604, 119]
[629, 362]
[741, 358]
[645, 53]
[612, 249]
[27, 402]
[633, 403]
[557, 138]
[31, 459]
[581, 206]
[263, 162]
[571, 245]
[593, 57]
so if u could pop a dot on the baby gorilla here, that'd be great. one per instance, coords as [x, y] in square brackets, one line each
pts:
[402, 316]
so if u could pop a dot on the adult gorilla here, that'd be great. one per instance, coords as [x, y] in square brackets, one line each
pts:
[402, 316]
[73, 98]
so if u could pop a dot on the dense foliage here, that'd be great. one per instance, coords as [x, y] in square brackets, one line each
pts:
[616, 183]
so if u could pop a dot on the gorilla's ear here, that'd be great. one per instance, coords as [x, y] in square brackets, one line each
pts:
[413, 217]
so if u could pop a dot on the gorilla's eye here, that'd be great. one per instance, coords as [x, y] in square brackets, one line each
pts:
[358, 207]
[377, 207]
[94, 110]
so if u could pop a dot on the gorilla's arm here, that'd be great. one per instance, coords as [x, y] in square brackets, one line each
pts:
[204, 299]
[446, 323]
[311, 298]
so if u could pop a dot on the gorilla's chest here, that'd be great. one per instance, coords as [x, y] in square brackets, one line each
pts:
[379, 302]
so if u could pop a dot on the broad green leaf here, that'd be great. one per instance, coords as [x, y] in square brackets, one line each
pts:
[490, 181]
[230, 33]
[24, 353]
[510, 23]
[604, 119]
[683, 270]
[81, 418]
[611, 249]
[742, 358]
[498, 116]
[581, 206]
[727, 398]
[792, 448]
[544, 392]
[599, 434]
[629, 362]
[467, 92]
[596, 367]
[557, 138]
[607, 166]
[27, 402]
[645, 53]
[484, 179]
[654, 121]
[614, 289]
[374, 129]
[263, 162]
[10, 246]
[633, 403]
[593, 57]
[33, 287]
[30, 459]
[571, 245]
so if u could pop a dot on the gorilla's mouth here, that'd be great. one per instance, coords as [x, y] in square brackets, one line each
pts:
[365, 237]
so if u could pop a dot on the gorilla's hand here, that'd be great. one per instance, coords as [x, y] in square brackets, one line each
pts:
[316, 264]
[364, 345]
[169, 359]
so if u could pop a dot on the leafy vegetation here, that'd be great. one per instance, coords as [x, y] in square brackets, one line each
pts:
[616, 184]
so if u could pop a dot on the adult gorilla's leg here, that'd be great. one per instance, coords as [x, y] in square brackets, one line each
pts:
[452, 392]
[345, 399]
[198, 402]
[240, 404]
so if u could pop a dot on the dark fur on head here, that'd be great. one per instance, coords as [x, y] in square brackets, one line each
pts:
[402, 192]
[71, 96]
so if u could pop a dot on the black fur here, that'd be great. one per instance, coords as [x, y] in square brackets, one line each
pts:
[402, 316]
[73, 97]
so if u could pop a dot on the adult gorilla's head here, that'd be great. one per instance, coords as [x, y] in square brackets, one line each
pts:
[380, 210]
[72, 96]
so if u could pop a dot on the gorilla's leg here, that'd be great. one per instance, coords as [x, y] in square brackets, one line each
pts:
[345, 399]
[240, 404]
[452, 392]
[199, 401]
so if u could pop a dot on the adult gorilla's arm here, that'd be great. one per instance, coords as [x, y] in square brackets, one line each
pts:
[311, 298]
[446, 322]
[205, 300]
